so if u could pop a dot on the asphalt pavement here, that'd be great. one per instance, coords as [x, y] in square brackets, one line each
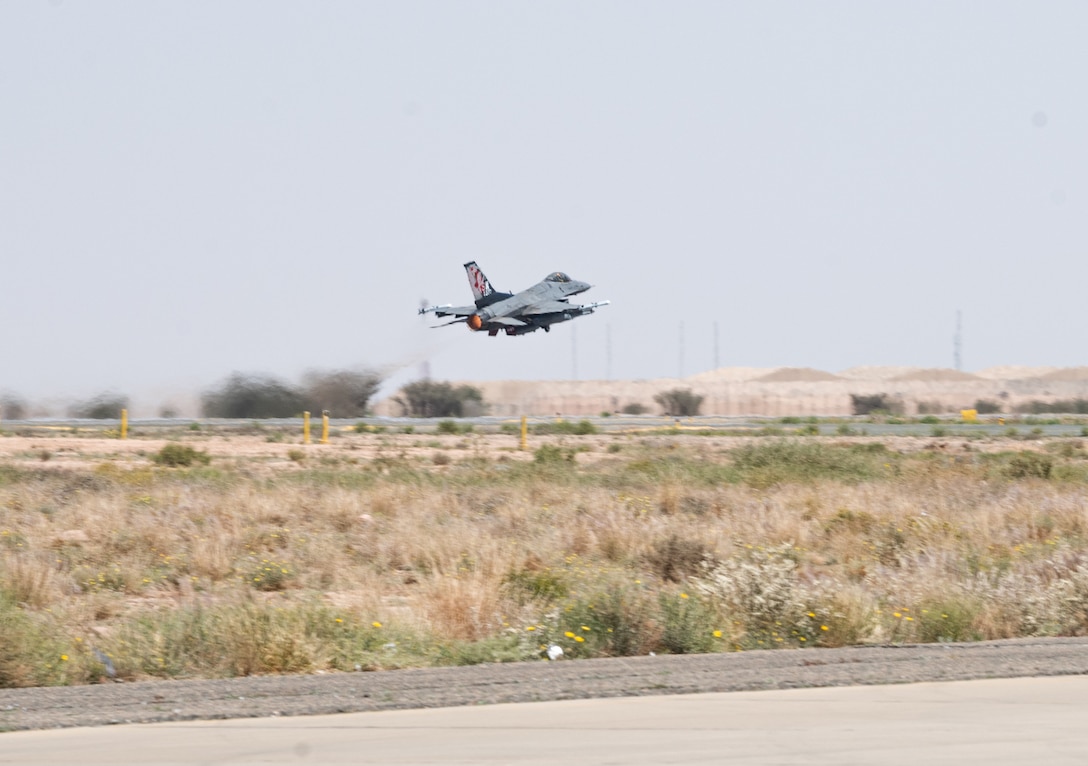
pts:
[996, 722]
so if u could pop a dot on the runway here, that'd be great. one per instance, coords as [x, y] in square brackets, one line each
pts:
[997, 722]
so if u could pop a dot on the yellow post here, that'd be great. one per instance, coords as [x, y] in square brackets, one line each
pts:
[124, 424]
[306, 428]
[324, 426]
[524, 433]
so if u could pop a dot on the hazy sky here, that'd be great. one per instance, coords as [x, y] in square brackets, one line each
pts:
[192, 188]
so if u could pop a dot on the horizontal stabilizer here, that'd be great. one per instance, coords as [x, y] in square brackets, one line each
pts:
[508, 321]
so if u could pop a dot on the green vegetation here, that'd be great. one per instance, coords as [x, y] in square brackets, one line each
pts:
[1070, 406]
[397, 550]
[13, 407]
[105, 406]
[244, 396]
[175, 455]
[439, 399]
[776, 462]
[679, 402]
[875, 404]
[581, 428]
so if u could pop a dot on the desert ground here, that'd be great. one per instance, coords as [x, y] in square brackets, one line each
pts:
[785, 391]
[215, 552]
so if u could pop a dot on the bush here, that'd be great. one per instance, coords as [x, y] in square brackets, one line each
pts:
[1026, 465]
[246, 396]
[676, 558]
[453, 427]
[344, 393]
[687, 624]
[179, 455]
[680, 402]
[105, 406]
[634, 408]
[581, 428]
[799, 461]
[875, 404]
[431, 399]
[618, 622]
[987, 407]
[12, 407]
[550, 454]
[1062, 406]
[761, 592]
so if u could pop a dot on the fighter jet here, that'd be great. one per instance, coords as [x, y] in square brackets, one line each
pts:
[537, 308]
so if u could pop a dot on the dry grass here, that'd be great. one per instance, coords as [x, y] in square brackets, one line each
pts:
[371, 553]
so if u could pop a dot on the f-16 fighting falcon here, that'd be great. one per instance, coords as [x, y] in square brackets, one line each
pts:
[538, 307]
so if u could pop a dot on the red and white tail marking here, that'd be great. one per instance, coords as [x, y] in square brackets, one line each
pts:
[477, 281]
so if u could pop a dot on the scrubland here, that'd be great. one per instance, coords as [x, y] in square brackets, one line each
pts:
[397, 550]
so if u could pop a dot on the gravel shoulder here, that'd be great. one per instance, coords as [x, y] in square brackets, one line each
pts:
[144, 702]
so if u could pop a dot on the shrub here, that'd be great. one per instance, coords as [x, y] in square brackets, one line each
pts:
[551, 454]
[267, 574]
[987, 407]
[453, 427]
[634, 408]
[179, 455]
[862, 404]
[618, 622]
[32, 652]
[760, 592]
[581, 428]
[680, 402]
[245, 396]
[431, 399]
[1064, 406]
[948, 619]
[12, 407]
[343, 393]
[676, 558]
[687, 624]
[1025, 465]
[800, 461]
[536, 584]
[105, 406]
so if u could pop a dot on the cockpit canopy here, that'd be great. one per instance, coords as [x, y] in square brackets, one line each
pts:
[557, 276]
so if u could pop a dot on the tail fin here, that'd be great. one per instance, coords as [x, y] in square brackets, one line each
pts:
[481, 288]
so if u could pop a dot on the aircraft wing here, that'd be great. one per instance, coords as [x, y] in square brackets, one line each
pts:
[546, 307]
[508, 321]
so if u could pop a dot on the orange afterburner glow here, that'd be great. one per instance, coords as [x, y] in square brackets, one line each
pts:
[474, 322]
